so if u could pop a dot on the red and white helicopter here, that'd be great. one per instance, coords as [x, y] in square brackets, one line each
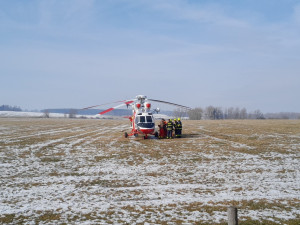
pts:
[142, 120]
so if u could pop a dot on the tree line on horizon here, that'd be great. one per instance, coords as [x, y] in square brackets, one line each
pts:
[231, 113]
[198, 113]
[10, 108]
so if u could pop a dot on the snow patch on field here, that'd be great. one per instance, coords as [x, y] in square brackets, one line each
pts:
[78, 170]
[28, 114]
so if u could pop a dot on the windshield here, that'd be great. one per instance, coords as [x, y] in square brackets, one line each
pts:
[144, 119]
[145, 122]
[149, 119]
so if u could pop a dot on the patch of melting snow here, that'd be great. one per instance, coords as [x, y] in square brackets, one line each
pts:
[239, 145]
[179, 180]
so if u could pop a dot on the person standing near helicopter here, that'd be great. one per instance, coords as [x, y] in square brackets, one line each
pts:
[178, 128]
[162, 129]
[169, 129]
[175, 127]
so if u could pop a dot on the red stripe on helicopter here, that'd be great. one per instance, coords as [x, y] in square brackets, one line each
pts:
[129, 102]
[110, 109]
[106, 111]
[147, 131]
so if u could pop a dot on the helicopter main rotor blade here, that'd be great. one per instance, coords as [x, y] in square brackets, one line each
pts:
[94, 106]
[170, 103]
[118, 106]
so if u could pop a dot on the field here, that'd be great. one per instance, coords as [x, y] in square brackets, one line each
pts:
[76, 171]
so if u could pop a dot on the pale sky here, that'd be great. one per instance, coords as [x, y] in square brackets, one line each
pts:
[76, 53]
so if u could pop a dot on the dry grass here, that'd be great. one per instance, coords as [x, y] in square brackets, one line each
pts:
[85, 170]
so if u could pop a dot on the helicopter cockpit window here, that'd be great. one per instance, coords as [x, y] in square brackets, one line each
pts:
[149, 119]
[145, 122]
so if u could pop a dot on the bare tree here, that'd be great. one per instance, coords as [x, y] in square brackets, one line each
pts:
[258, 115]
[236, 113]
[46, 113]
[214, 113]
[230, 113]
[195, 114]
[179, 113]
[209, 112]
[219, 114]
[243, 114]
[72, 113]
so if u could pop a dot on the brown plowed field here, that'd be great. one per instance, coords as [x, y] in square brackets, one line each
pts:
[76, 171]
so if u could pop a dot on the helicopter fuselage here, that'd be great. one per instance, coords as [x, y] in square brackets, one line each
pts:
[142, 119]
[144, 123]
